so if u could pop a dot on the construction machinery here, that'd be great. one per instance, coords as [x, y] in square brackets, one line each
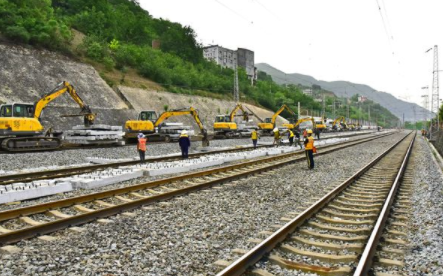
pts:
[269, 124]
[307, 119]
[226, 127]
[320, 123]
[20, 126]
[149, 124]
[340, 120]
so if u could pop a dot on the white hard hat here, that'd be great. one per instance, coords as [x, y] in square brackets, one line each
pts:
[275, 129]
[184, 132]
[140, 135]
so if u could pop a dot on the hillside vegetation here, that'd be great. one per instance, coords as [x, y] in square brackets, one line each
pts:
[118, 35]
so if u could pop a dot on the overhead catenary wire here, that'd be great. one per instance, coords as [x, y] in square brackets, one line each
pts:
[235, 12]
[268, 10]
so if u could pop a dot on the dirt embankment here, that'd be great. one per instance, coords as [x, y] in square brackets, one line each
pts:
[28, 74]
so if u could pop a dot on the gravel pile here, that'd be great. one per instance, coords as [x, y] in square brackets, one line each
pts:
[426, 233]
[185, 236]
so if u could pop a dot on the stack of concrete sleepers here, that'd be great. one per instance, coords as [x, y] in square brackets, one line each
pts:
[95, 135]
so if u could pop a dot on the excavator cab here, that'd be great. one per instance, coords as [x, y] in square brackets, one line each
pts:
[18, 110]
[149, 115]
[268, 120]
[222, 119]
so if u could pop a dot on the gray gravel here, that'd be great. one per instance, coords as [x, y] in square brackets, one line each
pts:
[187, 235]
[426, 234]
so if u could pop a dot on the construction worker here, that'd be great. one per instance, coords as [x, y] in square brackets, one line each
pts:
[305, 134]
[141, 146]
[297, 137]
[309, 149]
[291, 136]
[184, 143]
[254, 137]
[317, 133]
[276, 137]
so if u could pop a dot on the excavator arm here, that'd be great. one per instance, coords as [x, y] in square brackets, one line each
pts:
[237, 108]
[305, 120]
[63, 87]
[179, 112]
[283, 107]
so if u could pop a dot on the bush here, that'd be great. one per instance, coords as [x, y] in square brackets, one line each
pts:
[95, 51]
[109, 63]
[18, 33]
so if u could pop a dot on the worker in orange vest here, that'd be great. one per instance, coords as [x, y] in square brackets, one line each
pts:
[141, 146]
[309, 149]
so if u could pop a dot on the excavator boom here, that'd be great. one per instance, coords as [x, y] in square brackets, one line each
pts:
[179, 112]
[269, 123]
[305, 120]
[61, 88]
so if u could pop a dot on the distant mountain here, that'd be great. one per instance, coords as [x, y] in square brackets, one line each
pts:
[348, 89]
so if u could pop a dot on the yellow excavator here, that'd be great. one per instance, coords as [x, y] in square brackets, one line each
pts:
[320, 123]
[225, 126]
[269, 124]
[147, 123]
[20, 127]
[341, 120]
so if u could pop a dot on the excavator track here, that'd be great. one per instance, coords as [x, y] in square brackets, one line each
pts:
[26, 144]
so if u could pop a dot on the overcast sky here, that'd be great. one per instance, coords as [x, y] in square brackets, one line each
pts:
[329, 40]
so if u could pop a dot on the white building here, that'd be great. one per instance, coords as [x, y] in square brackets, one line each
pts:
[307, 92]
[229, 58]
[222, 56]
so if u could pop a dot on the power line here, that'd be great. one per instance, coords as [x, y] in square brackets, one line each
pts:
[383, 19]
[264, 7]
[238, 14]
[387, 19]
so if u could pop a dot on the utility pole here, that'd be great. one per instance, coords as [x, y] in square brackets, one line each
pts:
[435, 106]
[435, 100]
[347, 106]
[369, 114]
[236, 90]
[333, 110]
[403, 120]
[415, 118]
[298, 109]
[323, 106]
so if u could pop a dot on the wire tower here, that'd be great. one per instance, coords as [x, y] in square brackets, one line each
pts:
[435, 102]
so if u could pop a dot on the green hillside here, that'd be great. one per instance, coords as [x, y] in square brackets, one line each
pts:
[116, 38]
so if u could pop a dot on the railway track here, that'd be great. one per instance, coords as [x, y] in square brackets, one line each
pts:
[66, 172]
[28, 222]
[67, 146]
[339, 234]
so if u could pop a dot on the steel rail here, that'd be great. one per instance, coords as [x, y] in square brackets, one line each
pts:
[366, 260]
[251, 257]
[9, 214]
[58, 224]
[68, 146]
[58, 173]
[50, 174]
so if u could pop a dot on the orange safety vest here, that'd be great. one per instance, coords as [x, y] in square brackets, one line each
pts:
[310, 144]
[142, 144]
